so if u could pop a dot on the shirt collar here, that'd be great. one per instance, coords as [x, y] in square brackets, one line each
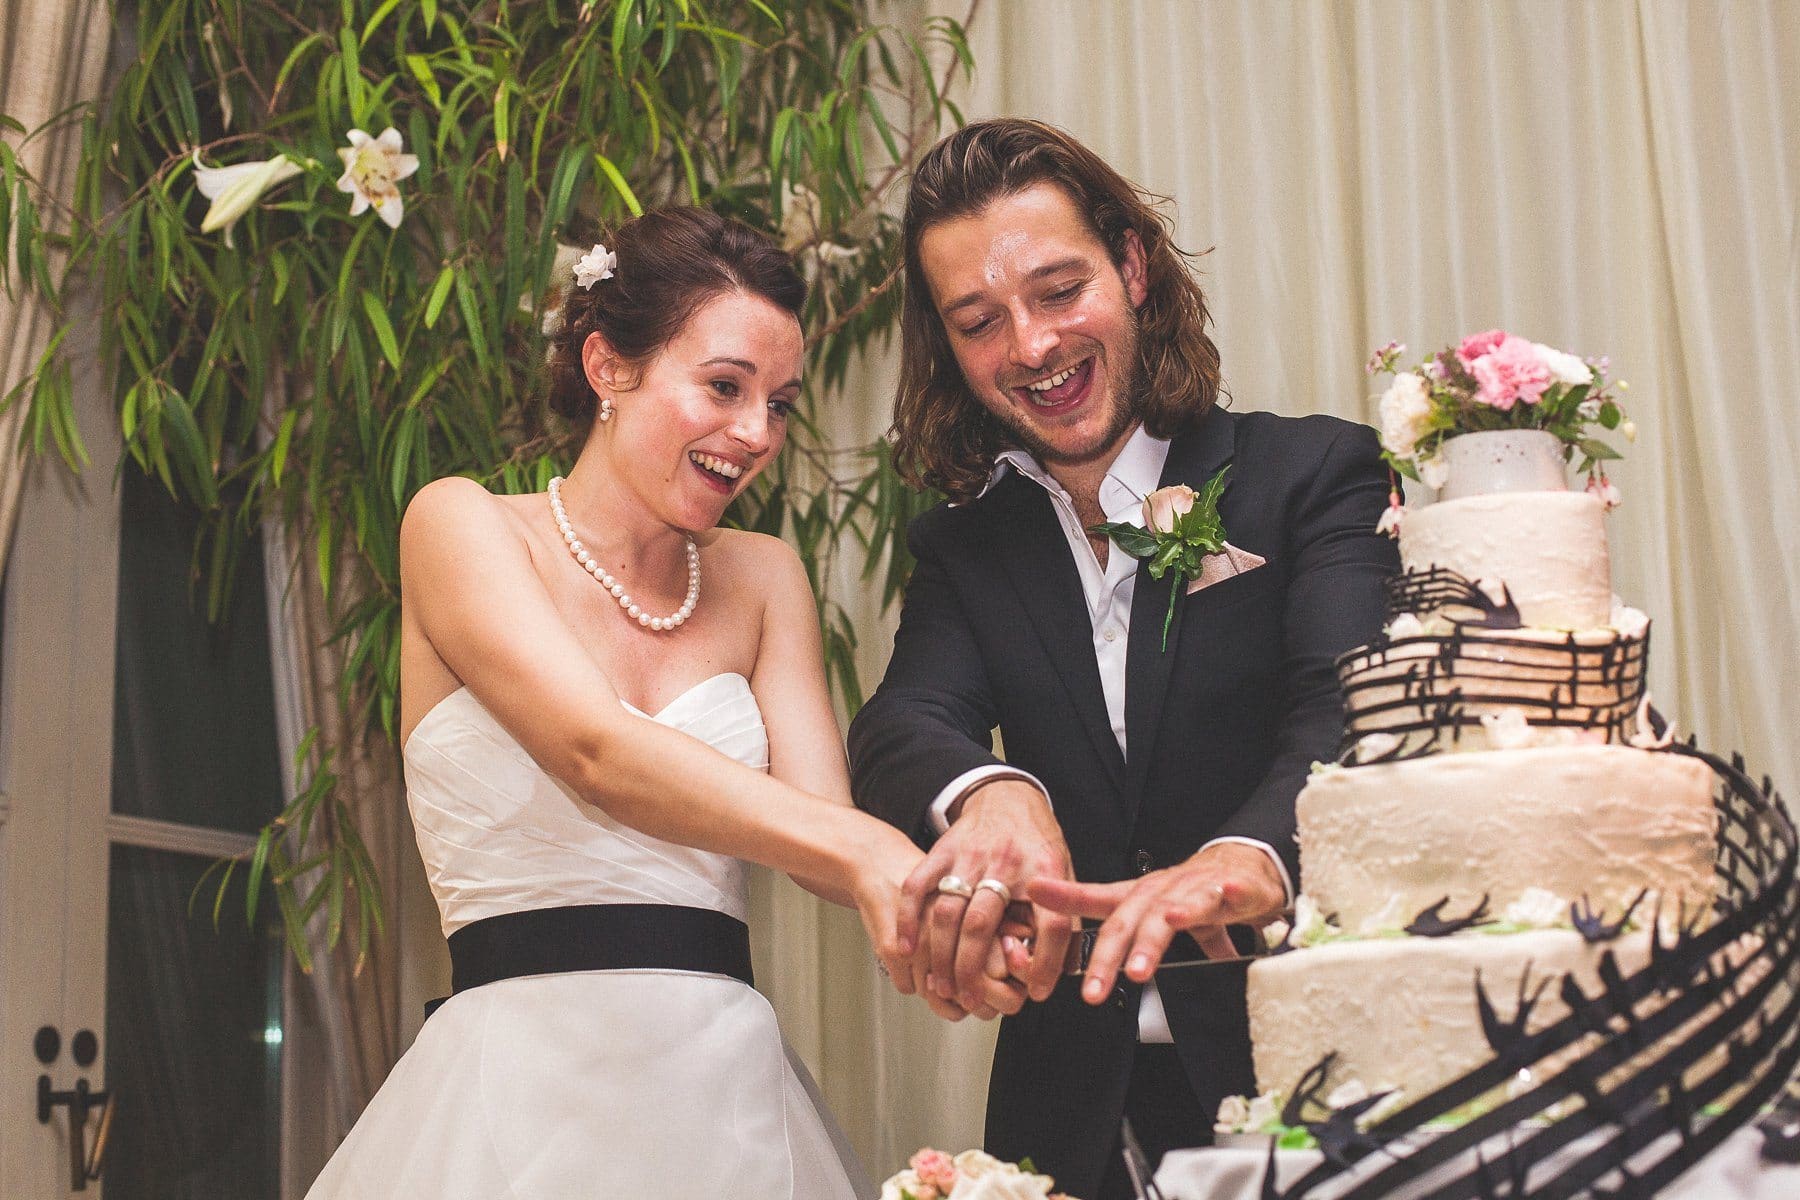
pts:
[1134, 473]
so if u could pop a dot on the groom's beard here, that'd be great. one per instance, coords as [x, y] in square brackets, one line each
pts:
[1128, 409]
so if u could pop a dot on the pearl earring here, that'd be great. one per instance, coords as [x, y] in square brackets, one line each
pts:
[606, 409]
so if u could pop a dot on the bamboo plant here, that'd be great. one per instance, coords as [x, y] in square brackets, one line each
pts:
[323, 239]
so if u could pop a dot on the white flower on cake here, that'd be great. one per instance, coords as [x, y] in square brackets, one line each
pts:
[1406, 625]
[1371, 746]
[1632, 622]
[1646, 737]
[1234, 1115]
[1508, 729]
[1567, 368]
[1537, 908]
[1433, 472]
[1310, 923]
[1275, 932]
[1389, 918]
[1405, 414]
[1259, 1114]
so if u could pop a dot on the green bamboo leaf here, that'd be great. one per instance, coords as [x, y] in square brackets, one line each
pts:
[440, 291]
[374, 22]
[420, 66]
[872, 106]
[283, 437]
[619, 185]
[649, 111]
[199, 460]
[219, 896]
[472, 323]
[384, 331]
[259, 862]
[355, 87]
[768, 12]
[399, 469]
[429, 9]
[687, 167]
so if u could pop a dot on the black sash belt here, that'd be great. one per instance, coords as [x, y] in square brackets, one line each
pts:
[597, 937]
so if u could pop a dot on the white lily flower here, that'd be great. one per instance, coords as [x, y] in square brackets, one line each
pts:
[234, 190]
[372, 166]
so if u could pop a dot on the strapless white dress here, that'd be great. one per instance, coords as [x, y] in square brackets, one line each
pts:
[595, 1083]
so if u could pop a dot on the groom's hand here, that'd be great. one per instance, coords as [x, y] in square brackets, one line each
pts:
[1225, 884]
[1004, 832]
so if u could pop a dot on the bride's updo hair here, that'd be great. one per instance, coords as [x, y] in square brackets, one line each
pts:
[671, 261]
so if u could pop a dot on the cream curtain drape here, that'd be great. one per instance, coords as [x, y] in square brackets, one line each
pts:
[1610, 177]
[52, 56]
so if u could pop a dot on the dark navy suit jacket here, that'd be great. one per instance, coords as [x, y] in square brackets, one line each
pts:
[1222, 729]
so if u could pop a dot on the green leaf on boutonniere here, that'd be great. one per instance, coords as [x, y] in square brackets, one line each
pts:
[1132, 539]
[1178, 551]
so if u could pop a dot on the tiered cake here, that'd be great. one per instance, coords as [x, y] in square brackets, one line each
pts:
[1501, 811]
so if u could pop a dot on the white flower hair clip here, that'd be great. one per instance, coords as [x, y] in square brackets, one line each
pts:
[595, 265]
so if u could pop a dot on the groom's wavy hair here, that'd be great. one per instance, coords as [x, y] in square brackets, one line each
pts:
[942, 437]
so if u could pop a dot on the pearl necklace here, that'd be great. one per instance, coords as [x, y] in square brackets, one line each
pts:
[588, 563]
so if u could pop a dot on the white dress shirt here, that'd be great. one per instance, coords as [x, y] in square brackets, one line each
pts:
[1107, 589]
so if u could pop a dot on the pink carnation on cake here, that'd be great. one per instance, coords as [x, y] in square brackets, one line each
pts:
[1477, 345]
[1511, 373]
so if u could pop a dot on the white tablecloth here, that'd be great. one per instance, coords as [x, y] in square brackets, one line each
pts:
[1735, 1171]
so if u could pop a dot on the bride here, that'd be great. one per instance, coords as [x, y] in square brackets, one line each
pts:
[608, 706]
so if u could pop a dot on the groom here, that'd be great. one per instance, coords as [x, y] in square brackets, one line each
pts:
[1055, 370]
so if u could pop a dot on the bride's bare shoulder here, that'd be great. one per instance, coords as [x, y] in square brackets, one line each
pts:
[761, 564]
[457, 511]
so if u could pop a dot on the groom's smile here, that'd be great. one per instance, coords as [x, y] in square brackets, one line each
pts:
[1042, 320]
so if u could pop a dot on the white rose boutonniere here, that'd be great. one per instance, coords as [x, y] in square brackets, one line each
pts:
[1181, 527]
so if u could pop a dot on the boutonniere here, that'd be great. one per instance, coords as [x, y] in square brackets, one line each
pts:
[1181, 527]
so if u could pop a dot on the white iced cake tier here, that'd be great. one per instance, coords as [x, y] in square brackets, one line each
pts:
[1401, 1012]
[1549, 548]
[1380, 843]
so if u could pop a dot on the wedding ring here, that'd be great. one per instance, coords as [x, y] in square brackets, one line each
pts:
[999, 889]
[954, 885]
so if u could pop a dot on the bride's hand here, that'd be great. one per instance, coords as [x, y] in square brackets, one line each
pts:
[882, 868]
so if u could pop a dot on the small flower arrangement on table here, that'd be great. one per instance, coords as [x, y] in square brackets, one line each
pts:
[1496, 381]
[972, 1175]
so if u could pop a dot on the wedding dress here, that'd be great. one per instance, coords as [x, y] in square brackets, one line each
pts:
[650, 1082]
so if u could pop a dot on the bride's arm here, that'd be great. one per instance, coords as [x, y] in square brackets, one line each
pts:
[805, 747]
[807, 750]
[469, 582]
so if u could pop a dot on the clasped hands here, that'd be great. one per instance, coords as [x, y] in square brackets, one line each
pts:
[987, 917]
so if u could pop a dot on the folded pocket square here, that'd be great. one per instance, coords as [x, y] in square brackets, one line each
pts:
[1226, 564]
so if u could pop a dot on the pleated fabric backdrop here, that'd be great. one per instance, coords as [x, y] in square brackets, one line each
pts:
[1609, 177]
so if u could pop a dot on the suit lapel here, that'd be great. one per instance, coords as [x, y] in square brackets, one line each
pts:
[1031, 544]
[1193, 458]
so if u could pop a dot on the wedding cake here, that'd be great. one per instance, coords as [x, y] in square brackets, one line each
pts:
[1528, 919]
[1495, 785]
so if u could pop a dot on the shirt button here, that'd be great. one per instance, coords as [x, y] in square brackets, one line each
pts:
[1111, 634]
[1144, 862]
